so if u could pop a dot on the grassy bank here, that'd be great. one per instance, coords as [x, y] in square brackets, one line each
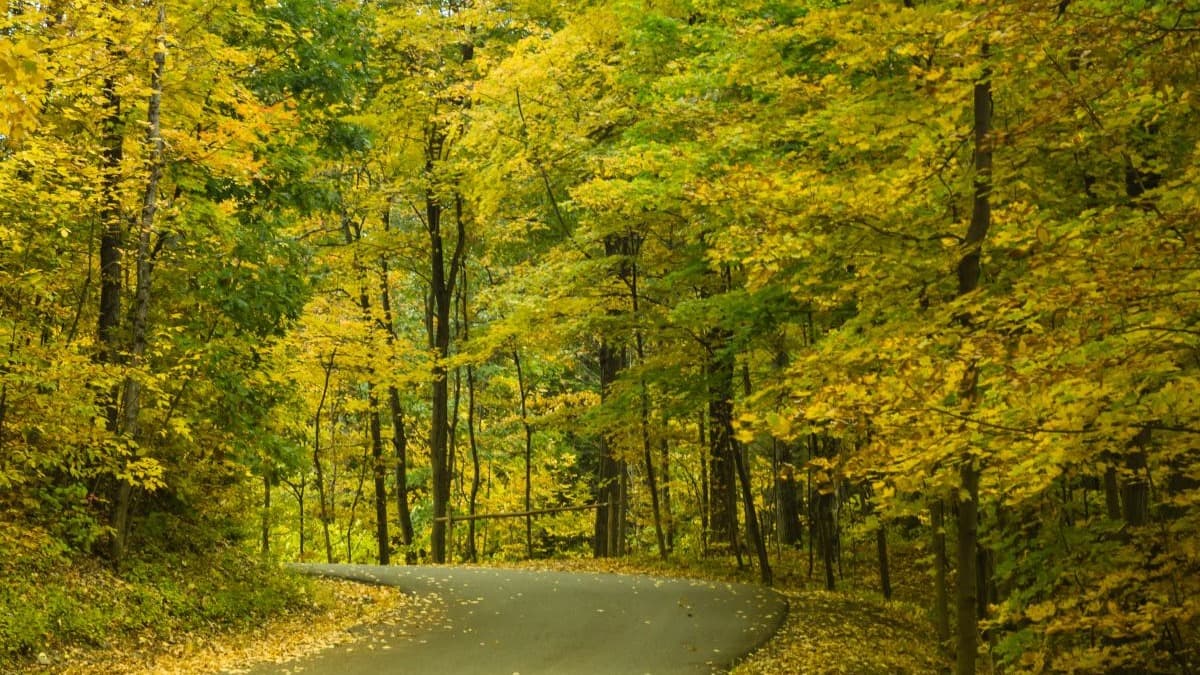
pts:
[52, 609]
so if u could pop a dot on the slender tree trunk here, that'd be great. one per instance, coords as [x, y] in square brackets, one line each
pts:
[787, 504]
[790, 527]
[298, 490]
[321, 495]
[473, 497]
[613, 475]
[665, 455]
[378, 463]
[379, 472]
[443, 276]
[620, 525]
[812, 508]
[824, 526]
[400, 445]
[1135, 490]
[651, 482]
[631, 244]
[300, 505]
[1112, 493]
[752, 529]
[399, 438]
[523, 391]
[111, 276]
[111, 238]
[438, 325]
[266, 515]
[12, 348]
[941, 602]
[334, 466]
[826, 535]
[363, 465]
[722, 500]
[968, 540]
[705, 491]
[132, 388]
[968, 282]
[455, 472]
[741, 463]
[610, 467]
[885, 576]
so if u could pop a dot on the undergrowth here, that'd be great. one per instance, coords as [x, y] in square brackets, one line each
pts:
[51, 604]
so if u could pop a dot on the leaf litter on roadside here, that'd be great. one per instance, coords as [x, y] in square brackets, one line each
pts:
[348, 614]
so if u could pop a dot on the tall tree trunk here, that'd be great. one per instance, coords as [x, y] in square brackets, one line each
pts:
[399, 438]
[443, 275]
[610, 467]
[651, 482]
[885, 575]
[620, 524]
[324, 508]
[741, 463]
[968, 282]
[351, 517]
[786, 501]
[132, 388]
[752, 529]
[722, 500]
[400, 445]
[455, 473]
[379, 470]
[613, 476]
[1112, 493]
[1135, 490]
[523, 391]
[298, 490]
[353, 236]
[266, 515]
[968, 589]
[665, 455]
[438, 325]
[824, 526]
[826, 535]
[790, 528]
[111, 276]
[812, 509]
[111, 237]
[12, 348]
[941, 601]
[705, 490]
[473, 495]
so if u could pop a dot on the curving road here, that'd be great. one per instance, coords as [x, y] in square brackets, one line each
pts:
[529, 622]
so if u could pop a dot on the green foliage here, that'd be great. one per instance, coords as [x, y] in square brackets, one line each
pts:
[45, 606]
[774, 190]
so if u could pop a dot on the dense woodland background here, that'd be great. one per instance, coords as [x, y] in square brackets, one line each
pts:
[319, 278]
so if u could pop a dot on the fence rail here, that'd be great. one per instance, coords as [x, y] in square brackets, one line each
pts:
[518, 514]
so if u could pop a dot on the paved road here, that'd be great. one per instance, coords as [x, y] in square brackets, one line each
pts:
[531, 622]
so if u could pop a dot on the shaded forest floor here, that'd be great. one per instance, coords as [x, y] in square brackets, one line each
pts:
[846, 631]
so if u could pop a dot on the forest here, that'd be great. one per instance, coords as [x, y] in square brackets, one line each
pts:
[765, 282]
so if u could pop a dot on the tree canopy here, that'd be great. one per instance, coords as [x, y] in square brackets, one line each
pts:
[479, 279]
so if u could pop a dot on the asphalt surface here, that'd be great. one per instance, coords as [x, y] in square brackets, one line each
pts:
[530, 622]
